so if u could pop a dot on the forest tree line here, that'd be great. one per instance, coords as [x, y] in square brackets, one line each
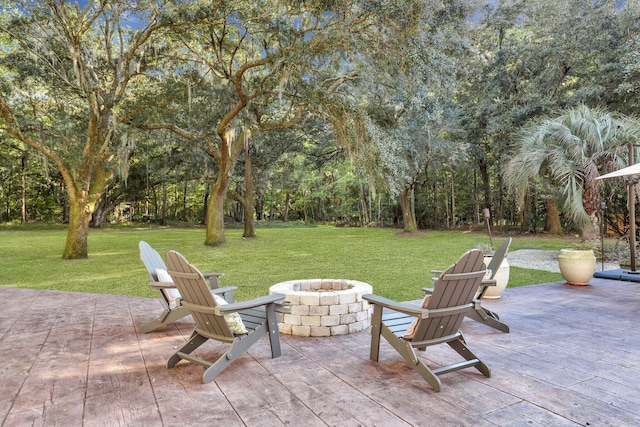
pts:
[413, 114]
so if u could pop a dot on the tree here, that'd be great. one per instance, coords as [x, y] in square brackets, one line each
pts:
[254, 54]
[629, 88]
[393, 113]
[287, 59]
[528, 59]
[571, 150]
[69, 73]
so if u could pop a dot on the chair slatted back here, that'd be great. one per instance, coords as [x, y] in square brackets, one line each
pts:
[454, 290]
[495, 263]
[196, 295]
[498, 257]
[151, 259]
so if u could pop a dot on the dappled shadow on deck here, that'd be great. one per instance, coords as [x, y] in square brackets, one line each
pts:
[74, 359]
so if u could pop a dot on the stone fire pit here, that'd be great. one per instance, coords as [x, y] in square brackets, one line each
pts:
[324, 307]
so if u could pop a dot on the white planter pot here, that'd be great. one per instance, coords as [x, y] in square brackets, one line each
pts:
[577, 266]
[501, 277]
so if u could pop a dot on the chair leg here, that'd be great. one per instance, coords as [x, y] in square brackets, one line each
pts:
[376, 323]
[491, 314]
[239, 346]
[216, 368]
[426, 373]
[272, 330]
[405, 349]
[228, 296]
[461, 348]
[195, 341]
[237, 349]
[488, 318]
[167, 316]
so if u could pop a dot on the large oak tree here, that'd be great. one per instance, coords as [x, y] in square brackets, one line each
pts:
[268, 65]
[67, 74]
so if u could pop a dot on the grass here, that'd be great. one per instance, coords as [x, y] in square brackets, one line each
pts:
[396, 267]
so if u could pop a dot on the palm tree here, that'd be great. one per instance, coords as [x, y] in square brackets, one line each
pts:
[571, 150]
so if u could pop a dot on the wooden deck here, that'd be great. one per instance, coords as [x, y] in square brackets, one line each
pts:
[72, 359]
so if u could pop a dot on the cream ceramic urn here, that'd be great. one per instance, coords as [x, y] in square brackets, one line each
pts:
[577, 266]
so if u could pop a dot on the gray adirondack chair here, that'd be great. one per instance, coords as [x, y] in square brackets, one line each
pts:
[479, 313]
[170, 297]
[438, 322]
[258, 316]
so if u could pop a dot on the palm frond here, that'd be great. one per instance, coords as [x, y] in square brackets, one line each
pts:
[572, 150]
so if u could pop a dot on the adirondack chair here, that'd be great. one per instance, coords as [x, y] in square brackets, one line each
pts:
[408, 327]
[170, 296]
[479, 313]
[218, 321]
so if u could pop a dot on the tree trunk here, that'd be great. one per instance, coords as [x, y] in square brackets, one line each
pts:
[285, 214]
[321, 211]
[476, 204]
[100, 215]
[185, 190]
[486, 183]
[65, 203]
[104, 209]
[23, 192]
[364, 207]
[272, 209]
[434, 203]
[2, 204]
[259, 207]
[249, 225]
[79, 216]
[412, 208]
[408, 224]
[205, 202]
[215, 212]
[591, 203]
[230, 150]
[553, 217]
[163, 221]
[453, 201]
[524, 213]
[82, 204]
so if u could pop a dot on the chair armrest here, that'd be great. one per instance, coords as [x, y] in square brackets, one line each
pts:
[220, 291]
[213, 279]
[428, 290]
[410, 309]
[226, 292]
[207, 275]
[161, 285]
[283, 307]
[252, 303]
[436, 274]
[484, 287]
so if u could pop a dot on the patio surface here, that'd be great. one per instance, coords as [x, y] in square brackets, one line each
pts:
[74, 359]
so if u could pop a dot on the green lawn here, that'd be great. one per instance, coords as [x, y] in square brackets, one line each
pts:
[397, 267]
